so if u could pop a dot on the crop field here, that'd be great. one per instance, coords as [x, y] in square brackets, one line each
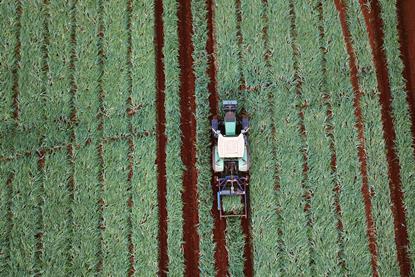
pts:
[105, 138]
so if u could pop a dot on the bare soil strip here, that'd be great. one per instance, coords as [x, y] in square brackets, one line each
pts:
[10, 193]
[16, 66]
[329, 127]
[100, 133]
[371, 228]
[239, 37]
[374, 25]
[211, 59]
[39, 251]
[407, 45]
[301, 106]
[188, 148]
[73, 120]
[131, 146]
[161, 136]
[221, 253]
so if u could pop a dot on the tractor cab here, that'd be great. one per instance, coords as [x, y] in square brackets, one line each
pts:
[230, 160]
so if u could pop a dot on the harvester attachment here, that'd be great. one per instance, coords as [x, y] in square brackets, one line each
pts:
[231, 161]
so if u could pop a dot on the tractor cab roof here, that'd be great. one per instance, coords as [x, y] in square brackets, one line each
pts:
[231, 147]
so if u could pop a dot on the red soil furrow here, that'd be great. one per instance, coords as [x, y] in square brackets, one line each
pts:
[221, 253]
[163, 259]
[101, 205]
[329, 128]
[16, 66]
[407, 45]
[374, 25]
[73, 119]
[71, 189]
[188, 148]
[130, 204]
[40, 222]
[73, 85]
[371, 228]
[239, 37]
[131, 146]
[210, 49]
[10, 194]
[100, 132]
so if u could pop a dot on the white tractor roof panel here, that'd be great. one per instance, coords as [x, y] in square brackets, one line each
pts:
[231, 147]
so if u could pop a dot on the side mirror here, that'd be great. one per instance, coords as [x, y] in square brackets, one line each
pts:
[214, 124]
[245, 124]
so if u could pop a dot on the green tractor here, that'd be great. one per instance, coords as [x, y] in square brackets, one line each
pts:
[231, 160]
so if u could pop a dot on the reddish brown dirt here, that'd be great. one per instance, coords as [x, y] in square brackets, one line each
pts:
[71, 189]
[41, 162]
[221, 253]
[407, 39]
[239, 37]
[163, 259]
[188, 149]
[131, 146]
[10, 216]
[210, 49]
[17, 57]
[100, 132]
[73, 119]
[371, 228]
[374, 24]
[101, 206]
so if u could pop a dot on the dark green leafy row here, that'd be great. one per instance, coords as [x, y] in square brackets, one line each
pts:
[144, 180]
[203, 163]
[324, 230]
[8, 25]
[265, 213]
[356, 252]
[31, 75]
[295, 245]
[115, 70]
[18, 234]
[85, 243]
[174, 165]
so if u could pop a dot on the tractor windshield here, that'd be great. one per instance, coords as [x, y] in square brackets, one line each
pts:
[230, 123]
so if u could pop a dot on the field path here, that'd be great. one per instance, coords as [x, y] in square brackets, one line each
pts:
[188, 148]
[161, 136]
